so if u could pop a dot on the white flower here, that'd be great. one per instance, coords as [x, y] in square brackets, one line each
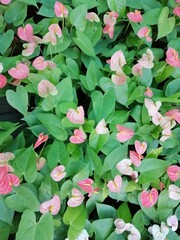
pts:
[124, 167]
[174, 192]
[159, 233]
[147, 59]
[172, 221]
[101, 127]
[1, 67]
[134, 232]
[120, 226]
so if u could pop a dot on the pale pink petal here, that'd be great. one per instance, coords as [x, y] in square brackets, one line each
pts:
[5, 2]
[78, 137]
[41, 138]
[5, 157]
[173, 172]
[134, 232]
[120, 226]
[174, 114]
[39, 63]
[3, 81]
[118, 79]
[76, 115]
[152, 106]
[135, 158]
[21, 71]
[124, 133]
[166, 133]
[172, 221]
[46, 88]
[135, 16]
[117, 61]
[55, 28]
[76, 199]
[52, 206]
[101, 128]
[60, 10]
[137, 70]
[92, 17]
[50, 37]
[58, 173]
[108, 29]
[86, 185]
[124, 167]
[140, 147]
[51, 64]
[147, 59]
[26, 33]
[29, 48]
[174, 192]
[172, 58]
[115, 185]
[149, 199]
[40, 162]
[148, 92]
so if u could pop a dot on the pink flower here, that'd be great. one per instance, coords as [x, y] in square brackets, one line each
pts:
[101, 128]
[92, 17]
[140, 147]
[26, 33]
[52, 206]
[55, 28]
[148, 199]
[147, 59]
[29, 48]
[117, 61]
[109, 21]
[148, 92]
[172, 221]
[137, 70]
[86, 185]
[3, 81]
[173, 172]
[46, 88]
[60, 10]
[124, 133]
[76, 115]
[174, 192]
[109, 29]
[58, 173]
[135, 16]
[120, 226]
[176, 11]
[21, 71]
[41, 138]
[50, 37]
[115, 185]
[152, 106]
[78, 137]
[5, 2]
[118, 78]
[135, 158]
[144, 33]
[76, 199]
[39, 63]
[172, 58]
[174, 114]
[124, 167]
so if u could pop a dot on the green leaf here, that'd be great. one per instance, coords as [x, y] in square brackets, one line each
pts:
[5, 229]
[76, 218]
[29, 2]
[105, 211]
[84, 44]
[118, 6]
[6, 214]
[151, 169]
[77, 17]
[165, 24]
[18, 99]
[22, 199]
[97, 141]
[172, 87]
[6, 132]
[124, 212]
[29, 229]
[25, 164]
[72, 68]
[106, 224]
[57, 153]
[6, 40]
[138, 220]
[53, 124]
[16, 13]
[151, 17]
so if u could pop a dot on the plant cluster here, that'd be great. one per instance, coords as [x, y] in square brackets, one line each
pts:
[95, 154]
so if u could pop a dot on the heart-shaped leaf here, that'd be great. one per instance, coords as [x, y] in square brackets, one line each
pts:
[165, 24]
[6, 40]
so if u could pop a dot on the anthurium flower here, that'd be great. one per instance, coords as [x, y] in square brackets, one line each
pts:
[172, 58]
[172, 222]
[115, 185]
[52, 206]
[173, 172]
[40, 162]
[29, 48]
[117, 61]
[174, 114]
[137, 70]
[82, 236]
[109, 21]
[159, 233]
[109, 29]
[144, 33]
[101, 127]
[41, 138]
[166, 133]
[124, 133]
[76, 199]
[152, 106]
[55, 28]
[174, 192]
[3, 81]
[92, 17]
[135, 158]
[46, 88]
[148, 199]
[58, 173]
[148, 92]
[135, 16]
[26, 33]
[60, 10]
[5, 2]
[5, 158]
[21, 71]
[176, 11]
[120, 226]
[147, 59]
[76, 115]
[39, 63]
[86, 185]
[140, 147]
[50, 37]
[124, 167]
[134, 232]
[118, 78]
[78, 137]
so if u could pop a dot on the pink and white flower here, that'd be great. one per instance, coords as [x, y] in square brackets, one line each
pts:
[101, 127]
[144, 33]
[135, 158]
[109, 21]
[52, 206]
[134, 232]
[76, 115]
[147, 59]
[120, 226]
[78, 137]
[60, 10]
[140, 147]
[174, 192]
[92, 17]
[137, 70]
[124, 133]
[148, 92]
[174, 114]
[159, 233]
[149, 199]
[118, 78]
[117, 61]
[46, 88]
[124, 167]
[115, 185]
[58, 173]
[152, 106]
[76, 199]
[172, 222]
